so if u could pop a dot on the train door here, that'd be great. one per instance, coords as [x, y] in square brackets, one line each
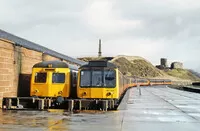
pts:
[57, 84]
[73, 91]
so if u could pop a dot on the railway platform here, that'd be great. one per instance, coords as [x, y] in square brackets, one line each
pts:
[158, 108]
[162, 108]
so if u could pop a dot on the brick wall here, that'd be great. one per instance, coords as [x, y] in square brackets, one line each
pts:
[7, 76]
[46, 57]
[28, 59]
[15, 68]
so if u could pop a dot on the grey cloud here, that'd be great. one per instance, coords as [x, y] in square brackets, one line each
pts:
[160, 21]
[65, 27]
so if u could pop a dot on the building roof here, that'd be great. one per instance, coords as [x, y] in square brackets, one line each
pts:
[33, 46]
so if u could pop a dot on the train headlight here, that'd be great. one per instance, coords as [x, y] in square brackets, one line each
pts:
[36, 91]
[109, 93]
[60, 93]
[84, 93]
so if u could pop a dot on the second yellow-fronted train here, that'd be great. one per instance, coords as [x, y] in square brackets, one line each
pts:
[103, 80]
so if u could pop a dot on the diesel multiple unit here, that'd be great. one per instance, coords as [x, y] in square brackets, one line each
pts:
[96, 85]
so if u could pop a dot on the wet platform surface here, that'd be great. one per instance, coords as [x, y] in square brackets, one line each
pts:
[157, 109]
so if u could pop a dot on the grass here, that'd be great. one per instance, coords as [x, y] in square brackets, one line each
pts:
[182, 74]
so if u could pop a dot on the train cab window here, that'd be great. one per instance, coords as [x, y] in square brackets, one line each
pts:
[58, 78]
[40, 77]
[85, 78]
[97, 78]
[109, 78]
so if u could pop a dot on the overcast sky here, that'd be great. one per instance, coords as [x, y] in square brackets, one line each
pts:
[148, 28]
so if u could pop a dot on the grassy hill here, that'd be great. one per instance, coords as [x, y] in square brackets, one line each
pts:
[139, 67]
[183, 74]
[136, 67]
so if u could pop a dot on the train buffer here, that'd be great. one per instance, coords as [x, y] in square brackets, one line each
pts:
[32, 103]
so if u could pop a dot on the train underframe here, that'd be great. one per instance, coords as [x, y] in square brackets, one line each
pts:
[32, 103]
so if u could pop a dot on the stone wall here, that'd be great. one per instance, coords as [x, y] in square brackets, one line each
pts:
[177, 65]
[8, 84]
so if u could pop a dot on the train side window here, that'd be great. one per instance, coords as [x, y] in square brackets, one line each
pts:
[58, 78]
[40, 77]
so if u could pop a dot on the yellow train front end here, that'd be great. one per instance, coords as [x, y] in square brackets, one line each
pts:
[98, 80]
[51, 79]
[50, 82]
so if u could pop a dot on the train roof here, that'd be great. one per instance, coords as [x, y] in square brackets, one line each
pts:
[100, 64]
[33, 46]
[55, 64]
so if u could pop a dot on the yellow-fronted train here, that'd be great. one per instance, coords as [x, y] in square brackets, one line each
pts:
[55, 80]
[102, 80]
